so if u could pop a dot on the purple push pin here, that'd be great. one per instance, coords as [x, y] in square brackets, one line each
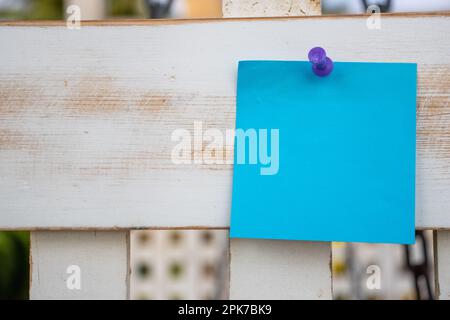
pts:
[321, 64]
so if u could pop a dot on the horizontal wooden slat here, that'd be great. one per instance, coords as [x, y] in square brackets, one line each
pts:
[86, 115]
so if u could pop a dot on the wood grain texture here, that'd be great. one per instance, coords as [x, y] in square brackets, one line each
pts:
[271, 269]
[442, 264]
[86, 115]
[268, 8]
[101, 256]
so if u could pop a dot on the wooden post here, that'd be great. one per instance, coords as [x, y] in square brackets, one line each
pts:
[90, 10]
[442, 264]
[79, 265]
[271, 269]
[270, 8]
[101, 256]
[275, 269]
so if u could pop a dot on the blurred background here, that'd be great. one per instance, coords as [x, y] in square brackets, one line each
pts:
[143, 9]
[193, 264]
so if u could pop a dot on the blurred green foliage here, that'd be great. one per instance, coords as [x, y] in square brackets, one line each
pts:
[14, 265]
[36, 9]
[54, 9]
[123, 8]
[46, 9]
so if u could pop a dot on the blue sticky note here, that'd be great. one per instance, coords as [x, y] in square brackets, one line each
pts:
[325, 159]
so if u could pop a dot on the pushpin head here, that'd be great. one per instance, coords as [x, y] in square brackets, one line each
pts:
[321, 64]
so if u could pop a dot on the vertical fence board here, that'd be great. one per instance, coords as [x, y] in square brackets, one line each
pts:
[270, 8]
[102, 258]
[270, 269]
[442, 264]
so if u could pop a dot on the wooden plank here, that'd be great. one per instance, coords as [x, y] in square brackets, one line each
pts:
[100, 258]
[86, 116]
[442, 264]
[271, 269]
[89, 10]
[270, 8]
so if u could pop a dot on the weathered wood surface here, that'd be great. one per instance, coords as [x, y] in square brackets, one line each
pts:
[86, 115]
[442, 264]
[100, 259]
[270, 8]
[271, 269]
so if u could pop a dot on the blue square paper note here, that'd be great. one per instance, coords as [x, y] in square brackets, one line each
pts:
[325, 159]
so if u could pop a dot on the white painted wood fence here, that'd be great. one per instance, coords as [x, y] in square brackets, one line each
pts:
[86, 118]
